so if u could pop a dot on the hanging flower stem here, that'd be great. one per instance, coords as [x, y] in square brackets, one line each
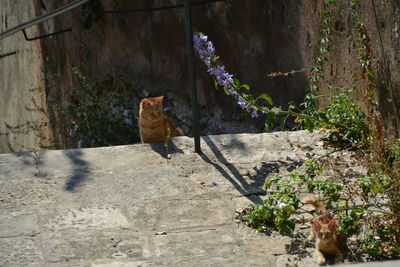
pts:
[253, 105]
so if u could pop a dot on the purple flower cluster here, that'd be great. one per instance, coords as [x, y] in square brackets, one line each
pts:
[206, 52]
[126, 113]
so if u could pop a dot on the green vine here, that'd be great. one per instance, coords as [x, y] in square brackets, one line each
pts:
[384, 241]
[367, 206]
[316, 75]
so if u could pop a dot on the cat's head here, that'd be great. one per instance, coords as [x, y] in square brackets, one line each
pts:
[325, 231]
[152, 106]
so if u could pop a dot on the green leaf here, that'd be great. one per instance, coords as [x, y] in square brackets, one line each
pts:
[216, 84]
[291, 224]
[267, 98]
[309, 124]
[292, 105]
[323, 50]
[245, 86]
[248, 98]
[226, 91]
[271, 117]
[266, 126]
[327, 22]
[236, 82]
[325, 40]
[215, 58]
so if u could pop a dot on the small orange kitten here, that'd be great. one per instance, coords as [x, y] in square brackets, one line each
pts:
[328, 243]
[154, 125]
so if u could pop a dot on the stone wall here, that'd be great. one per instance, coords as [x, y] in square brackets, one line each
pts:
[21, 82]
[144, 54]
[382, 22]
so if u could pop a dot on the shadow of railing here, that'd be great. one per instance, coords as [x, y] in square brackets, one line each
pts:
[80, 167]
[252, 190]
[235, 178]
[80, 170]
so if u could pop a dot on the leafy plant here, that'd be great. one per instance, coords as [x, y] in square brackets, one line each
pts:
[347, 126]
[367, 206]
[343, 111]
[276, 212]
[91, 118]
[360, 206]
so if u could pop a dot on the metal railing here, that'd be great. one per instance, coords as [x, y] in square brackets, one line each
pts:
[192, 76]
[8, 54]
[189, 43]
[42, 18]
[159, 8]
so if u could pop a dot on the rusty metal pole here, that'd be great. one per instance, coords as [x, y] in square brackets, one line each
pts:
[42, 18]
[192, 77]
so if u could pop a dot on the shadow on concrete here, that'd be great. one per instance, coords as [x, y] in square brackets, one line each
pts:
[32, 159]
[164, 150]
[25, 157]
[252, 190]
[237, 180]
[262, 171]
[80, 169]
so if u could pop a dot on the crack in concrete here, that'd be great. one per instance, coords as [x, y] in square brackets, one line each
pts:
[189, 231]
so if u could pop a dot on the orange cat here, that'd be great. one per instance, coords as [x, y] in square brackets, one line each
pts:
[328, 243]
[154, 125]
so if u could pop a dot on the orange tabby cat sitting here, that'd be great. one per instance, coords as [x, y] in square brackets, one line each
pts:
[154, 125]
[328, 243]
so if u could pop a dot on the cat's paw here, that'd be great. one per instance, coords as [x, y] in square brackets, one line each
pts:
[321, 260]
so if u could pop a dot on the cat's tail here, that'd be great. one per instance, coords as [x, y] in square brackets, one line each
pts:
[320, 208]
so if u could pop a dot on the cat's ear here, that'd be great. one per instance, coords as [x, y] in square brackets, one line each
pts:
[145, 103]
[161, 98]
[333, 224]
[317, 225]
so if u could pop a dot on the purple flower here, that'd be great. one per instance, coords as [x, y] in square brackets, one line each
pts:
[277, 110]
[254, 114]
[210, 49]
[126, 114]
[243, 103]
[207, 54]
[214, 183]
[128, 121]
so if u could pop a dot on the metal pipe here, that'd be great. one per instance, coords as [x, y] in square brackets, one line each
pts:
[192, 77]
[8, 54]
[42, 18]
[118, 11]
[43, 36]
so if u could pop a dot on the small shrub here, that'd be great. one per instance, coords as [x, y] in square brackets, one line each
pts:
[90, 119]
[359, 204]
[343, 111]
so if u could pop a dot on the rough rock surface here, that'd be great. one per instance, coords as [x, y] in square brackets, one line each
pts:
[21, 80]
[132, 206]
[144, 54]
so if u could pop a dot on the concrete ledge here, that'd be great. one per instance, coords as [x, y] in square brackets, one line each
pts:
[136, 206]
